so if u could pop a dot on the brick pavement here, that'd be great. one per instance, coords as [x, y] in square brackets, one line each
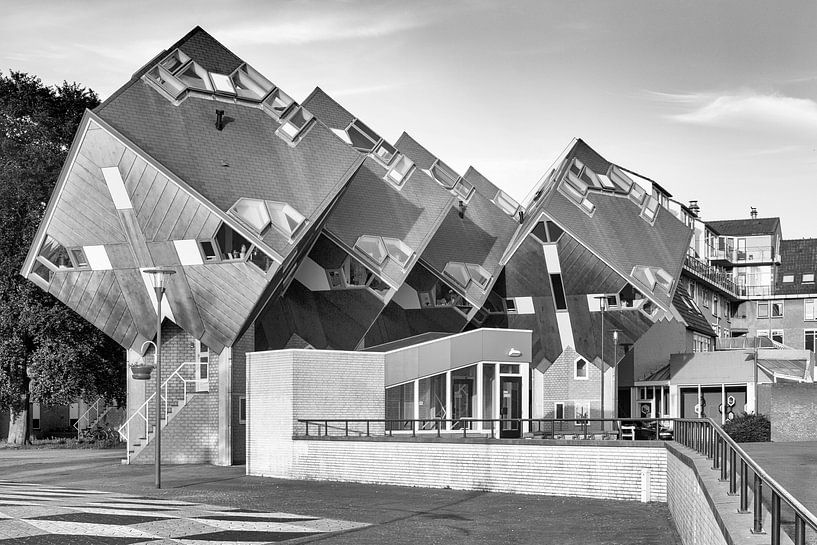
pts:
[380, 514]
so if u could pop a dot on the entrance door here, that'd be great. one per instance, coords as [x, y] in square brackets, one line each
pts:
[202, 365]
[510, 406]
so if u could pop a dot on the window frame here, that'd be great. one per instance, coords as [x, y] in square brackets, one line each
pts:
[556, 406]
[777, 303]
[767, 311]
[242, 408]
[288, 121]
[809, 280]
[813, 333]
[576, 369]
[399, 158]
[813, 310]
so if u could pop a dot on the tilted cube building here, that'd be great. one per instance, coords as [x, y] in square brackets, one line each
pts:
[294, 225]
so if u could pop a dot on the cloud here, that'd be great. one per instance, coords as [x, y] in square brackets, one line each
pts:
[744, 110]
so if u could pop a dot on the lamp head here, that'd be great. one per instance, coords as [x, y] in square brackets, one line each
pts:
[159, 277]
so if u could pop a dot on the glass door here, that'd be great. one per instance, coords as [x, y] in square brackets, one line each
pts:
[510, 407]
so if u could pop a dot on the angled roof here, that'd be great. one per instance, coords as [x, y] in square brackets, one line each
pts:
[479, 237]
[690, 313]
[746, 227]
[246, 158]
[616, 231]
[797, 257]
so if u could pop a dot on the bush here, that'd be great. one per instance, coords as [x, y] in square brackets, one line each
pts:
[749, 428]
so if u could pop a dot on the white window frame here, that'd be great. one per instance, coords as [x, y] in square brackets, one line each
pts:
[576, 369]
[808, 278]
[772, 304]
[768, 309]
[806, 304]
[806, 333]
[788, 278]
[556, 406]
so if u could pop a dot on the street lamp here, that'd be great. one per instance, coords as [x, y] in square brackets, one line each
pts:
[615, 376]
[602, 304]
[159, 279]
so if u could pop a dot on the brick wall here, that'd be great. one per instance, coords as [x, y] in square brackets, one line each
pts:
[609, 471]
[560, 385]
[791, 409]
[187, 438]
[688, 504]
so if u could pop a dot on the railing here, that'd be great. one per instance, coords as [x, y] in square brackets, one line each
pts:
[713, 275]
[547, 428]
[709, 439]
[749, 255]
[94, 409]
[142, 410]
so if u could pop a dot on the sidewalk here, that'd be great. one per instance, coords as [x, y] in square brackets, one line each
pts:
[393, 515]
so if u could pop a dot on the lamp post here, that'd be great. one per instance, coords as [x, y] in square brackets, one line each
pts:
[159, 279]
[602, 304]
[615, 376]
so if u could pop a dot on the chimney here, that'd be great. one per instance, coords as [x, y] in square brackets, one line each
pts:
[219, 119]
[753, 213]
[693, 206]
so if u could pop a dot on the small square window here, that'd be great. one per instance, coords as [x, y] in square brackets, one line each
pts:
[222, 84]
[777, 309]
[762, 309]
[209, 251]
[808, 278]
[278, 103]
[174, 61]
[385, 152]
[788, 278]
[464, 189]
[78, 257]
[362, 137]
[295, 124]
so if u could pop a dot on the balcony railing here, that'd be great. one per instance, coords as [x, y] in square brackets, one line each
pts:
[749, 255]
[713, 275]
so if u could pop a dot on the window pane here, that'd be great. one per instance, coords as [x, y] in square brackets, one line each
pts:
[432, 401]
[362, 137]
[261, 259]
[56, 254]
[398, 172]
[253, 212]
[232, 245]
[278, 103]
[400, 406]
[78, 254]
[444, 174]
[385, 152]
[372, 247]
[558, 292]
[209, 250]
[398, 250]
[458, 273]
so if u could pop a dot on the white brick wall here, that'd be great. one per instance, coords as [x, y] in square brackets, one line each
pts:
[687, 503]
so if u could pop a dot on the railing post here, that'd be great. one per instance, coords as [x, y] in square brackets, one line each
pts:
[413, 429]
[326, 428]
[306, 423]
[724, 448]
[799, 530]
[439, 426]
[367, 428]
[347, 428]
[775, 508]
[757, 528]
[744, 487]
[713, 450]
[733, 472]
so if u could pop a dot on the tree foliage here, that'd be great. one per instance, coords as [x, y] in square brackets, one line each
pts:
[64, 356]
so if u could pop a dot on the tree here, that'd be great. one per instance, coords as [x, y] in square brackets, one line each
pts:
[47, 352]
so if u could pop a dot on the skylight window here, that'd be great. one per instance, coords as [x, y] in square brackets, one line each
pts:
[196, 77]
[285, 218]
[506, 203]
[444, 174]
[174, 61]
[253, 212]
[479, 275]
[166, 81]
[373, 247]
[385, 152]
[222, 83]
[650, 209]
[398, 251]
[577, 183]
[621, 180]
[464, 189]
[278, 103]
[250, 84]
[400, 170]
[362, 137]
[295, 124]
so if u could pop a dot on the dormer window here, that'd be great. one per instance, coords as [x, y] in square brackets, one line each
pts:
[398, 251]
[222, 84]
[230, 246]
[166, 81]
[384, 152]
[506, 203]
[362, 137]
[278, 103]
[295, 124]
[260, 259]
[253, 212]
[652, 277]
[400, 170]
[464, 189]
[174, 61]
[373, 247]
[465, 273]
[250, 84]
[55, 254]
[195, 77]
[651, 209]
[444, 174]
[285, 218]
[637, 194]
[621, 180]
[233, 246]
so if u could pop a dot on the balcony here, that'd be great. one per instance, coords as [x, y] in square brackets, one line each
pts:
[713, 277]
[753, 255]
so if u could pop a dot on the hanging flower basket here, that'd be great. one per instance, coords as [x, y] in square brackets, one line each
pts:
[141, 371]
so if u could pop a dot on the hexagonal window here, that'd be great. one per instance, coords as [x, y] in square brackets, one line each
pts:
[479, 275]
[285, 218]
[372, 247]
[457, 272]
[253, 212]
[398, 250]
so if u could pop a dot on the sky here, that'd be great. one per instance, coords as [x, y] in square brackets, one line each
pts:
[715, 100]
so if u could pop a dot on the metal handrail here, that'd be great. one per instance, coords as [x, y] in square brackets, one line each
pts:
[706, 437]
[86, 414]
[390, 426]
[124, 429]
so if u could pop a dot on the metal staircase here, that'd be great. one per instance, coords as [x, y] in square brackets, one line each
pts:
[94, 414]
[173, 401]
